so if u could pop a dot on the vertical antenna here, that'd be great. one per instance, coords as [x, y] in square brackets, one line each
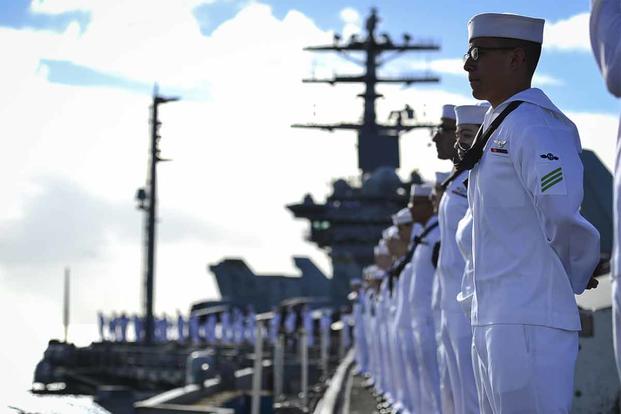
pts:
[66, 299]
[148, 202]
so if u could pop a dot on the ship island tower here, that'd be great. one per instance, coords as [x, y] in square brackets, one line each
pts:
[349, 224]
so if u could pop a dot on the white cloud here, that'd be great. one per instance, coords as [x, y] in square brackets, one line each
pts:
[352, 22]
[598, 132]
[449, 66]
[571, 34]
[541, 79]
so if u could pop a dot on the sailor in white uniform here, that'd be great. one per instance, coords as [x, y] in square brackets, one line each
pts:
[452, 209]
[532, 250]
[403, 335]
[372, 276]
[426, 246]
[384, 378]
[606, 43]
[361, 347]
[445, 356]
[397, 241]
[384, 316]
[101, 323]
[209, 328]
[180, 327]
[138, 333]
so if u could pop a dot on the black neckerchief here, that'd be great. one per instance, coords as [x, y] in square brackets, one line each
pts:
[396, 270]
[474, 154]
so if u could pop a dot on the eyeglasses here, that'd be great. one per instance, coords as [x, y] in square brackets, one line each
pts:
[475, 51]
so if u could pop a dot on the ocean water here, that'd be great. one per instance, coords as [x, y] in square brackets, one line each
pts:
[31, 404]
[22, 348]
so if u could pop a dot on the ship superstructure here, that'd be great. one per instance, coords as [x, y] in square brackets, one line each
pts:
[350, 222]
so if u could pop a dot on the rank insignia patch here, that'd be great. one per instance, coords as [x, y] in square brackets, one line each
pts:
[551, 179]
[549, 156]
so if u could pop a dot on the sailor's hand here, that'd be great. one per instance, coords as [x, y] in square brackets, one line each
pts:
[592, 283]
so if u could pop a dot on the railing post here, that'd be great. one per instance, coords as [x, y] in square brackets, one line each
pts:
[279, 356]
[258, 369]
[304, 367]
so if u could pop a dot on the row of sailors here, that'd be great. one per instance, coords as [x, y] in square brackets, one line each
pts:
[407, 329]
[470, 306]
[229, 327]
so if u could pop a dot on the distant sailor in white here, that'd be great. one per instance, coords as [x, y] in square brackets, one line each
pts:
[180, 327]
[452, 209]
[395, 250]
[307, 322]
[372, 277]
[274, 326]
[446, 358]
[383, 377]
[606, 44]
[101, 323]
[402, 315]
[138, 333]
[193, 325]
[427, 244]
[210, 329]
[532, 250]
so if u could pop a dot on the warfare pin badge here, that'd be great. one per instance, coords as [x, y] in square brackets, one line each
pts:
[500, 143]
[549, 156]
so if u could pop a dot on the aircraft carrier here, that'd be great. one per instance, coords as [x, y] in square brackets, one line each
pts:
[282, 343]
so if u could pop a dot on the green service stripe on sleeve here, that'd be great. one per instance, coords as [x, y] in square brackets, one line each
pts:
[550, 173]
[551, 178]
[551, 184]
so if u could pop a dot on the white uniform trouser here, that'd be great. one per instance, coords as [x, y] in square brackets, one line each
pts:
[410, 380]
[373, 349]
[446, 359]
[427, 357]
[462, 375]
[616, 321]
[361, 346]
[387, 386]
[524, 368]
[398, 369]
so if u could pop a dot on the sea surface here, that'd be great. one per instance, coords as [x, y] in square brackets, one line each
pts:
[31, 404]
[21, 348]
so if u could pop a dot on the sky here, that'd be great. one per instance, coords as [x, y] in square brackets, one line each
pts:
[76, 82]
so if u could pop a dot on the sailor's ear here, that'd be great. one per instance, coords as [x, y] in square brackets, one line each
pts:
[518, 58]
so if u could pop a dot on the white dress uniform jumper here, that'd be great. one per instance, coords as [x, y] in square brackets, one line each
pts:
[606, 43]
[532, 251]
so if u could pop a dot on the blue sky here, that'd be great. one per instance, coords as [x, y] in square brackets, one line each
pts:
[579, 86]
[76, 83]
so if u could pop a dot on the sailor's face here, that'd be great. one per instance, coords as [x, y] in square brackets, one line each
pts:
[464, 136]
[383, 261]
[444, 138]
[487, 75]
[420, 208]
[405, 232]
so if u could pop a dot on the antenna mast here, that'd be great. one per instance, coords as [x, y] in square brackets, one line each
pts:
[378, 144]
[147, 199]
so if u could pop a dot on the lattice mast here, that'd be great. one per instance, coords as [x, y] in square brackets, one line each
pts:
[378, 144]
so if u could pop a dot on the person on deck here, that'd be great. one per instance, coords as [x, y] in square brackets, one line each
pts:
[452, 209]
[424, 261]
[532, 251]
[606, 43]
